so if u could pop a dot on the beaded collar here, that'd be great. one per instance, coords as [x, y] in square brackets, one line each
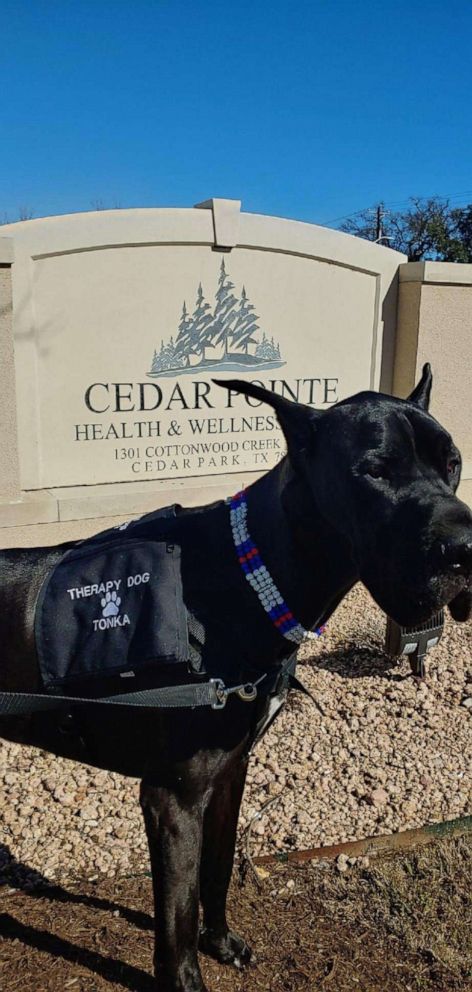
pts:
[260, 578]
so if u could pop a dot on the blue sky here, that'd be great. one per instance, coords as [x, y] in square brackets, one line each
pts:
[311, 110]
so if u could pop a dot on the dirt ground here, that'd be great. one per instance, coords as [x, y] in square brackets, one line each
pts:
[401, 922]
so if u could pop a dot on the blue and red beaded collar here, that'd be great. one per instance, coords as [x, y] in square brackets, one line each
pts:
[260, 578]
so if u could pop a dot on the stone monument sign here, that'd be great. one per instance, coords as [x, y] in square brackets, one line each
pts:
[123, 319]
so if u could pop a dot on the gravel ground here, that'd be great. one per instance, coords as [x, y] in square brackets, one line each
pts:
[388, 754]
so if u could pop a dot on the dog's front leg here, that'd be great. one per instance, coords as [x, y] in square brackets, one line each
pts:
[174, 832]
[219, 839]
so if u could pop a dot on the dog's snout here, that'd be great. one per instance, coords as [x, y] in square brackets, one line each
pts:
[456, 554]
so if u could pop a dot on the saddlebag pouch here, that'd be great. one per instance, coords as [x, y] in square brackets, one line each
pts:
[113, 606]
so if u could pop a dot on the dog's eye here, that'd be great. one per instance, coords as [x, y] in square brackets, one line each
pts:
[374, 469]
[379, 472]
[452, 466]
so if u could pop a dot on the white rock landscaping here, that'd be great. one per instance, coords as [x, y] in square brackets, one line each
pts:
[388, 754]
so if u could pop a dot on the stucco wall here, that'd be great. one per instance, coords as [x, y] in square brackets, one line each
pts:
[9, 480]
[49, 534]
[435, 325]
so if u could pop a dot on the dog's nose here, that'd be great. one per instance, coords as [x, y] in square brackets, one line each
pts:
[456, 554]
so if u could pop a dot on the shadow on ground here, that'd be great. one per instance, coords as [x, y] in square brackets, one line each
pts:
[352, 661]
[402, 922]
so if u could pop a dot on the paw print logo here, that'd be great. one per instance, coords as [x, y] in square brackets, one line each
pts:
[110, 605]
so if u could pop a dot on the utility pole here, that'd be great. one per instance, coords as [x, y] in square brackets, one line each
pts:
[380, 213]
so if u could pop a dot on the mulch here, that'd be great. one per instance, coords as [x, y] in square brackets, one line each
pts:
[403, 923]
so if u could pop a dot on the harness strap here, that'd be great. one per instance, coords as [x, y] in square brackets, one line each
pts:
[295, 683]
[213, 693]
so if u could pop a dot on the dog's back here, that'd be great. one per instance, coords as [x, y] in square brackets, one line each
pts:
[22, 571]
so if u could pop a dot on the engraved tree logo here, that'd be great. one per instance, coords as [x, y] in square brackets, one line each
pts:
[225, 337]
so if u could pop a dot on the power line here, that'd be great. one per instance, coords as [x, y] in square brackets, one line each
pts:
[334, 220]
[396, 204]
[430, 196]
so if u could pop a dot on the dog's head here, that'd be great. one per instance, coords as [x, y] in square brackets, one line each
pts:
[384, 473]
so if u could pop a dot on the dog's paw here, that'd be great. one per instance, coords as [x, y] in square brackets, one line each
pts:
[110, 604]
[227, 949]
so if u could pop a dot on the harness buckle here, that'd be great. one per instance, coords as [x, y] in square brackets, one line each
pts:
[246, 692]
[221, 694]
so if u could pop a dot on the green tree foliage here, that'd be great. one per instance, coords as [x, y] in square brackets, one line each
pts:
[459, 246]
[428, 229]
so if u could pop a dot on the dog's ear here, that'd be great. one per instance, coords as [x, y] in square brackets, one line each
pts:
[296, 420]
[422, 390]
[461, 606]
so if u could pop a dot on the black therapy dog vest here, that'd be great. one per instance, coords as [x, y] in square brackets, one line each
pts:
[113, 605]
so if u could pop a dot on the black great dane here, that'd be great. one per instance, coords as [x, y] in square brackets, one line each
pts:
[366, 492]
